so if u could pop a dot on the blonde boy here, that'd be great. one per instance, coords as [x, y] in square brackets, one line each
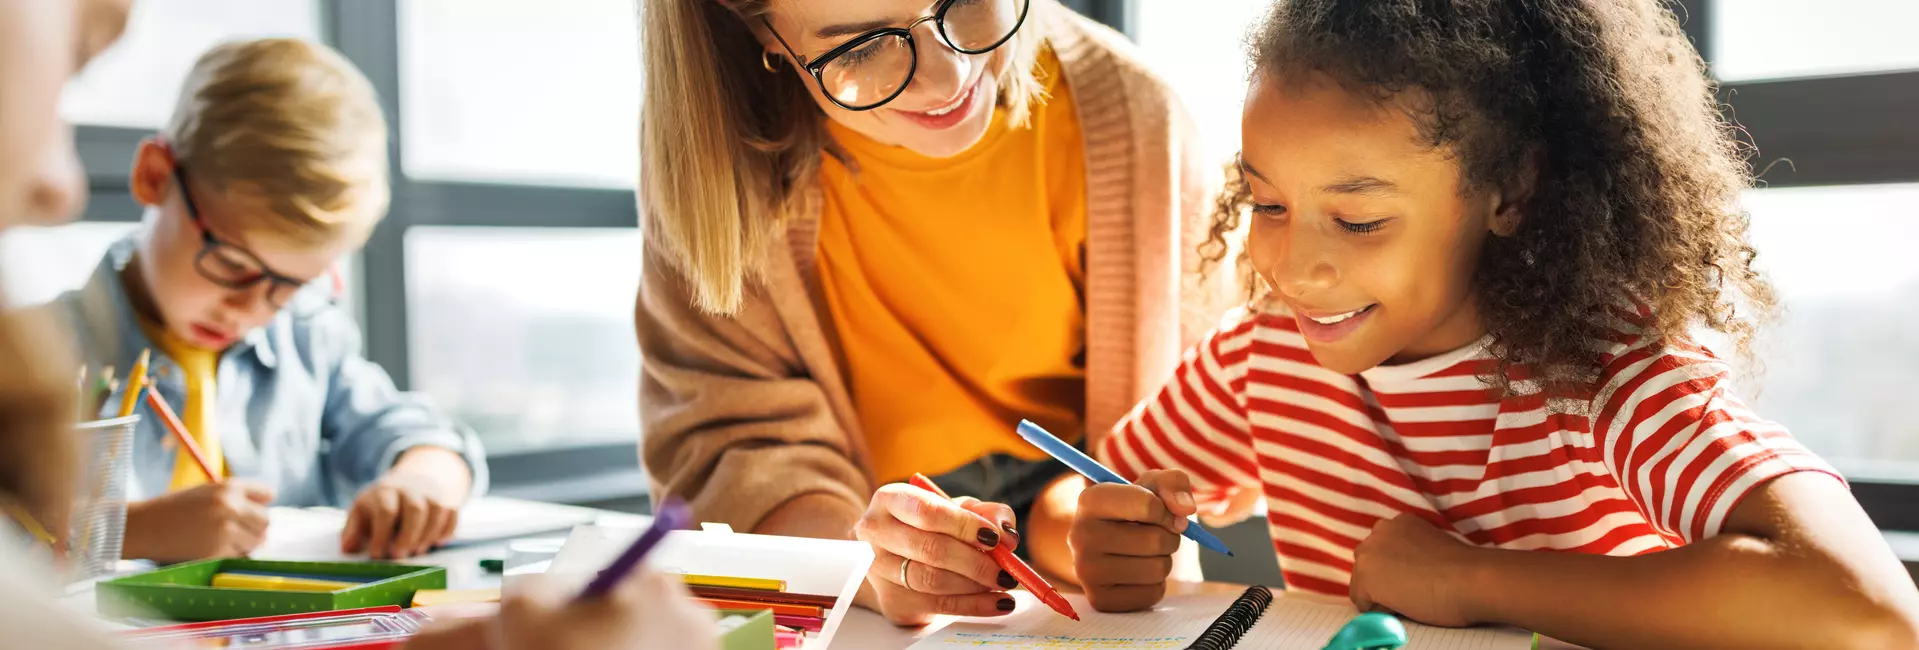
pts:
[272, 168]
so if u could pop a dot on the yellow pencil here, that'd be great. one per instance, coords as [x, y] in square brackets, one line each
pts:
[135, 381]
[20, 516]
[276, 583]
[763, 584]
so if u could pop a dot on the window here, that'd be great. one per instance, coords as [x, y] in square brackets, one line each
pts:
[137, 81]
[526, 334]
[1841, 367]
[1772, 39]
[509, 90]
[40, 263]
[1200, 49]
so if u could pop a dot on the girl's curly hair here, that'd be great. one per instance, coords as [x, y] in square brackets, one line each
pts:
[1636, 199]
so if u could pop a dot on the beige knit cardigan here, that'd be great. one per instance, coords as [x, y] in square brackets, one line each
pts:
[741, 414]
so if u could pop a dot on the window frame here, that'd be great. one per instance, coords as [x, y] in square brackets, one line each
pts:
[368, 33]
[1853, 129]
[1836, 130]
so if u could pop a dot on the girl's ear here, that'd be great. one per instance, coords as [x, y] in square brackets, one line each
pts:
[1514, 196]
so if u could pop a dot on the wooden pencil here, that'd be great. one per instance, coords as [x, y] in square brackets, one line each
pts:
[136, 380]
[762, 596]
[777, 608]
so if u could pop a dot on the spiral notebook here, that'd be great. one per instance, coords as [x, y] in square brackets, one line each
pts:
[1257, 618]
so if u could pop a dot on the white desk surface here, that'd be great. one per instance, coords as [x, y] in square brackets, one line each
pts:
[867, 630]
[861, 629]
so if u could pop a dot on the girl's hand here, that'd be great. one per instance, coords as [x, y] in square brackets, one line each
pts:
[942, 546]
[1124, 536]
[1409, 567]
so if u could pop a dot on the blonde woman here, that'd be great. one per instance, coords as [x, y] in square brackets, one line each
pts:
[881, 232]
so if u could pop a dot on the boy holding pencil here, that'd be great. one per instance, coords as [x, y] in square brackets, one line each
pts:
[272, 168]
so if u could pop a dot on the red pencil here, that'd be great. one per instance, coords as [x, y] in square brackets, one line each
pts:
[179, 431]
[1026, 576]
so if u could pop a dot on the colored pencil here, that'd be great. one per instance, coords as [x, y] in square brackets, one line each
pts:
[136, 380]
[80, 391]
[102, 389]
[765, 584]
[776, 608]
[276, 583]
[808, 623]
[179, 431]
[1005, 558]
[26, 521]
[1086, 466]
[672, 515]
[762, 596]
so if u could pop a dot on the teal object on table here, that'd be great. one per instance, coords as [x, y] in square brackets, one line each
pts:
[1369, 631]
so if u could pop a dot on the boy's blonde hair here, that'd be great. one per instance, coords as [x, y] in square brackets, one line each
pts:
[294, 123]
[726, 144]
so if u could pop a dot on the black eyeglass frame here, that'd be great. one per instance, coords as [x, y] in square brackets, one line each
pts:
[817, 67]
[209, 245]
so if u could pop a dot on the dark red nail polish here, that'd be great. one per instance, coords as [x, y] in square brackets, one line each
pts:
[988, 538]
[1006, 580]
[1004, 604]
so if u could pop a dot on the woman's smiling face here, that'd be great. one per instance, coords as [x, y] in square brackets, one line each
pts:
[949, 102]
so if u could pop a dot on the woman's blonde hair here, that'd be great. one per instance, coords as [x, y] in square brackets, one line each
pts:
[725, 144]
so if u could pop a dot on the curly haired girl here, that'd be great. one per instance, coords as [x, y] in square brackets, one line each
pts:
[1486, 231]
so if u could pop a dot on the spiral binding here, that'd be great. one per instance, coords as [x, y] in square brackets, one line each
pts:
[1236, 621]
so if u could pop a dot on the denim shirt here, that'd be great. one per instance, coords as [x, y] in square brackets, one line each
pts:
[299, 408]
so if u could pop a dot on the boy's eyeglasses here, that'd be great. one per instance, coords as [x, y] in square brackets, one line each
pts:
[875, 67]
[227, 264]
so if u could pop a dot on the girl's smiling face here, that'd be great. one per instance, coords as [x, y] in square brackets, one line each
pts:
[1363, 230]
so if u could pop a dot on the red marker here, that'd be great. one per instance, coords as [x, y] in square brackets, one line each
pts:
[1004, 556]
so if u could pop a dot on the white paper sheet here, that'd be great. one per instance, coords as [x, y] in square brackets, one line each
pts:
[1289, 624]
[314, 533]
[811, 566]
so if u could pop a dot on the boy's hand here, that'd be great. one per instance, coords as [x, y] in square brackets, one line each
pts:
[1124, 536]
[1409, 567]
[401, 515]
[213, 520]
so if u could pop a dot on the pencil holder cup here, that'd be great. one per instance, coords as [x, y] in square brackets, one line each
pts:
[98, 524]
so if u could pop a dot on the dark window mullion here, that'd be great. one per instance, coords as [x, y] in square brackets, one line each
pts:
[367, 32]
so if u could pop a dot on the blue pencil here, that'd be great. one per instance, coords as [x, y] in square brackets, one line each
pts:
[672, 515]
[1098, 473]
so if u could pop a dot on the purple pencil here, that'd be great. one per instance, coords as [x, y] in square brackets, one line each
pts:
[672, 515]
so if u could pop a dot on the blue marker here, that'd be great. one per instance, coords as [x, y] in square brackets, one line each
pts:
[1091, 469]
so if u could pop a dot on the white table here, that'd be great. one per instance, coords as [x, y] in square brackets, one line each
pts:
[861, 629]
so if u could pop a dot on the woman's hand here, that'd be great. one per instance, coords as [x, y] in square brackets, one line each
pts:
[930, 554]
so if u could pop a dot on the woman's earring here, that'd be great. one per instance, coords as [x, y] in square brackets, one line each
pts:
[767, 60]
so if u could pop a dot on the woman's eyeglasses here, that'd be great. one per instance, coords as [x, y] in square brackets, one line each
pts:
[875, 67]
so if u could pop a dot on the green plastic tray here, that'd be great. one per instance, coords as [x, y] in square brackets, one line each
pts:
[180, 592]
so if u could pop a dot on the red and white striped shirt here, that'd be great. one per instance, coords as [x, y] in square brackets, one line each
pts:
[1662, 454]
